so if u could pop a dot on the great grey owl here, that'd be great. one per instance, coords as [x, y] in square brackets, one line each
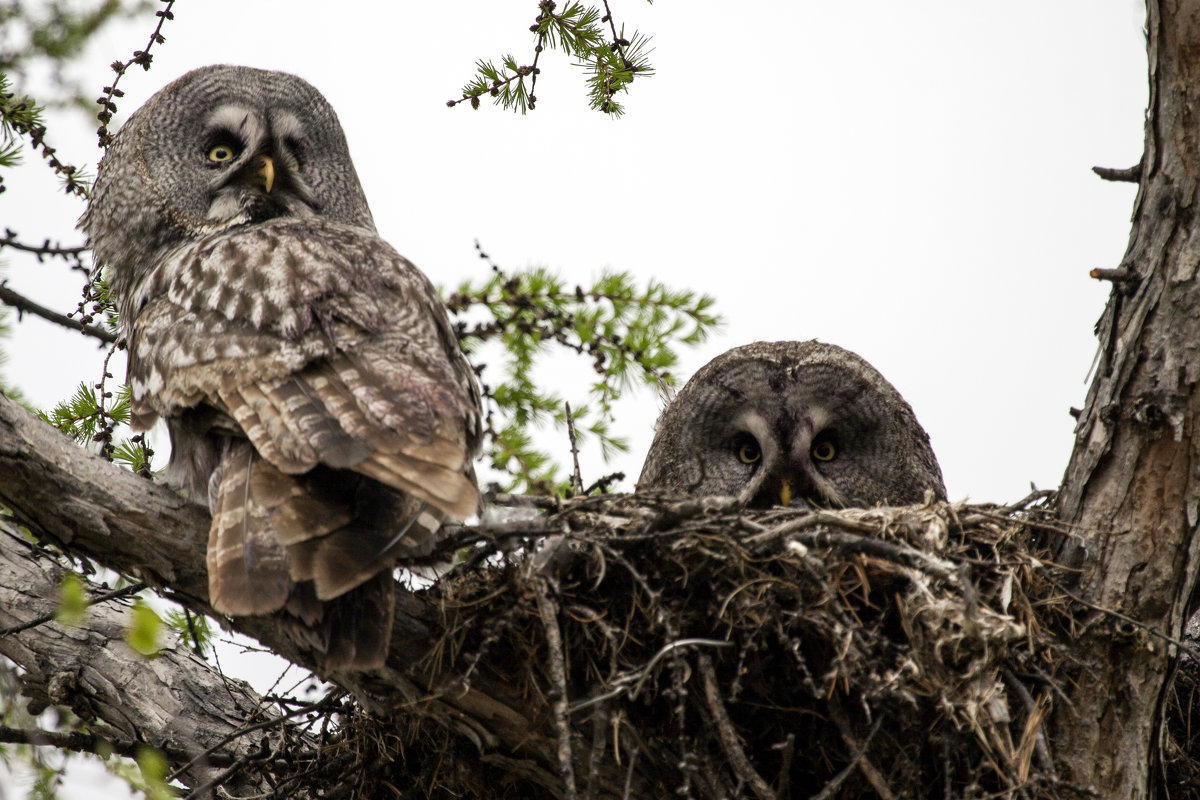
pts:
[775, 423]
[309, 376]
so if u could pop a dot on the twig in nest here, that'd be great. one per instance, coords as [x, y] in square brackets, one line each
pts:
[637, 677]
[558, 675]
[605, 482]
[869, 771]
[633, 754]
[836, 781]
[206, 789]
[871, 545]
[682, 510]
[729, 741]
[524, 501]
[326, 704]
[1033, 739]
[1034, 495]
[785, 763]
[576, 478]
[599, 735]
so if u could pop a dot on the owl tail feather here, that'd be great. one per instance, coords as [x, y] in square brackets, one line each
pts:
[317, 548]
[247, 567]
[350, 632]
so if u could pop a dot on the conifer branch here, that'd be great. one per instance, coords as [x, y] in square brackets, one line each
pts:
[578, 30]
[140, 57]
[628, 332]
[21, 117]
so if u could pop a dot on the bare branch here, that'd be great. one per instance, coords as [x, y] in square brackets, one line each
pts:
[576, 478]
[140, 57]
[1128, 175]
[23, 304]
[1114, 275]
[44, 250]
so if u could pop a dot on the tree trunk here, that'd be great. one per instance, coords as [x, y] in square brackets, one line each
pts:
[1132, 487]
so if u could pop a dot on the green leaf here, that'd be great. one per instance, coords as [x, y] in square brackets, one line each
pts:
[145, 631]
[72, 601]
[154, 768]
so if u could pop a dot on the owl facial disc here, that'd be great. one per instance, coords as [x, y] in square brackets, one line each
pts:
[786, 423]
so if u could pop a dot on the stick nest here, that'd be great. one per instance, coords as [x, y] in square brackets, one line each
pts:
[696, 649]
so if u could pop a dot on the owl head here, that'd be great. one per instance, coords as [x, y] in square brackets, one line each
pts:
[778, 423]
[221, 146]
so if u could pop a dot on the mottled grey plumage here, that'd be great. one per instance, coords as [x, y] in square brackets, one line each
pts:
[782, 422]
[313, 387]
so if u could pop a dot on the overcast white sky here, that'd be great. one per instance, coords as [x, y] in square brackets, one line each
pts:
[907, 179]
[910, 180]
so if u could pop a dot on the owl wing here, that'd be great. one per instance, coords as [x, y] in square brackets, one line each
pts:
[348, 415]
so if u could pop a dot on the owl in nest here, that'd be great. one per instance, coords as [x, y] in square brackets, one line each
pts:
[779, 423]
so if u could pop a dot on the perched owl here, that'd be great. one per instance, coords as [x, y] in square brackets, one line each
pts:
[775, 423]
[311, 382]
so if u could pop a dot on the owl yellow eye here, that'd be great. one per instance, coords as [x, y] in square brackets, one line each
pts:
[824, 451]
[749, 453]
[221, 152]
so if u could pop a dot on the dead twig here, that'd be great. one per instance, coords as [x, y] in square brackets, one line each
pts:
[869, 770]
[24, 305]
[728, 737]
[576, 477]
[558, 679]
[1127, 175]
[835, 783]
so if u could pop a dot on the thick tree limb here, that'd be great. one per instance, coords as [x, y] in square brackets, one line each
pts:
[175, 702]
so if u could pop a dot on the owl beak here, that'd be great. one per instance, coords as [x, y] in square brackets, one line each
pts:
[785, 492]
[266, 173]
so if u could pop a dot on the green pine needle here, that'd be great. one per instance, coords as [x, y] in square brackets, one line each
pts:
[629, 333]
[584, 33]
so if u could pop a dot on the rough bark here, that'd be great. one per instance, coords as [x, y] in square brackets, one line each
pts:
[176, 701]
[1132, 486]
